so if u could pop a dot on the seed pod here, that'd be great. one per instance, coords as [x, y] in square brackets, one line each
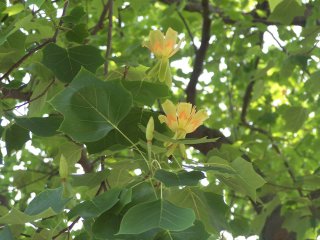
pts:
[150, 129]
[63, 168]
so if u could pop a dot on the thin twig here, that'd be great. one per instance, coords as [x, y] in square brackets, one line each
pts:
[33, 99]
[109, 39]
[67, 229]
[277, 41]
[100, 22]
[188, 29]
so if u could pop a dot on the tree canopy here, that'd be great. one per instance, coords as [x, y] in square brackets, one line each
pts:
[168, 119]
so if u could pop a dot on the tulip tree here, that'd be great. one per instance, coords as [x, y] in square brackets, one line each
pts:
[159, 119]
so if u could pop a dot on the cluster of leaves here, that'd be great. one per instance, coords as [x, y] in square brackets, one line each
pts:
[68, 104]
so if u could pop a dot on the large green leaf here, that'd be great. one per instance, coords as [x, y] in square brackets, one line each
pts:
[89, 179]
[145, 93]
[51, 198]
[156, 214]
[209, 208]
[17, 217]
[92, 108]
[181, 178]
[294, 117]
[15, 137]
[6, 234]
[246, 180]
[285, 11]
[66, 63]
[98, 205]
[44, 127]
[197, 231]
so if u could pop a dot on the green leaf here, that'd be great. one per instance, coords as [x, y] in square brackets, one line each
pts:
[313, 84]
[181, 178]
[51, 198]
[145, 93]
[89, 179]
[43, 127]
[15, 137]
[156, 214]
[218, 165]
[197, 231]
[17, 217]
[15, 9]
[66, 63]
[285, 11]
[96, 206]
[96, 107]
[36, 2]
[78, 33]
[258, 90]
[189, 141]
[273, 4]
[6, 234]
[75, 15]
[106, 226]
[246, 180]
[209, 208]
[294, 117]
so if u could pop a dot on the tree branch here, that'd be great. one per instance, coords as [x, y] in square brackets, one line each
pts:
[67, 229]
[33, 99]
[100, 22]
[200, 54]
[15, 94]
[109, 39]
[84, 162]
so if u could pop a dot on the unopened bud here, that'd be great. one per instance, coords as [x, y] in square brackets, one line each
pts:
[150, 129]
[63, 168]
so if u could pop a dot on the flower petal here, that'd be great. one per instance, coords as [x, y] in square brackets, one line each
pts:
[183, 112]
[156, 43]
[197, 120]
[170, 41]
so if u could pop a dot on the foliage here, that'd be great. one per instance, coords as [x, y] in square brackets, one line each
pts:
[89, 149]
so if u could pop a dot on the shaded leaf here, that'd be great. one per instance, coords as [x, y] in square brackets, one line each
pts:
[48, 199]
[156, 214]
[181, 178]
[44, 127]
[96, 206]
[66, 63]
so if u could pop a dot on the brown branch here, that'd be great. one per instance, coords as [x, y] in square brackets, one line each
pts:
[204, 131]
[67, 229]
[100, 22]
[200, 54]
[33, 99]
[84, 162]
[23, 58]
[35, 49]
[15, 94]
[109, 39]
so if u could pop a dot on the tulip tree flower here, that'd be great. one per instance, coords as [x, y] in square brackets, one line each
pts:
[181, 119]
[163, 47]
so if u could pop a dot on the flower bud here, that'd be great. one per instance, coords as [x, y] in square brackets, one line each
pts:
[150, 129]
[63, 168]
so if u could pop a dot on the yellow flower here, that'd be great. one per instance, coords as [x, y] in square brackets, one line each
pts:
[163, 46]
[183, 118]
